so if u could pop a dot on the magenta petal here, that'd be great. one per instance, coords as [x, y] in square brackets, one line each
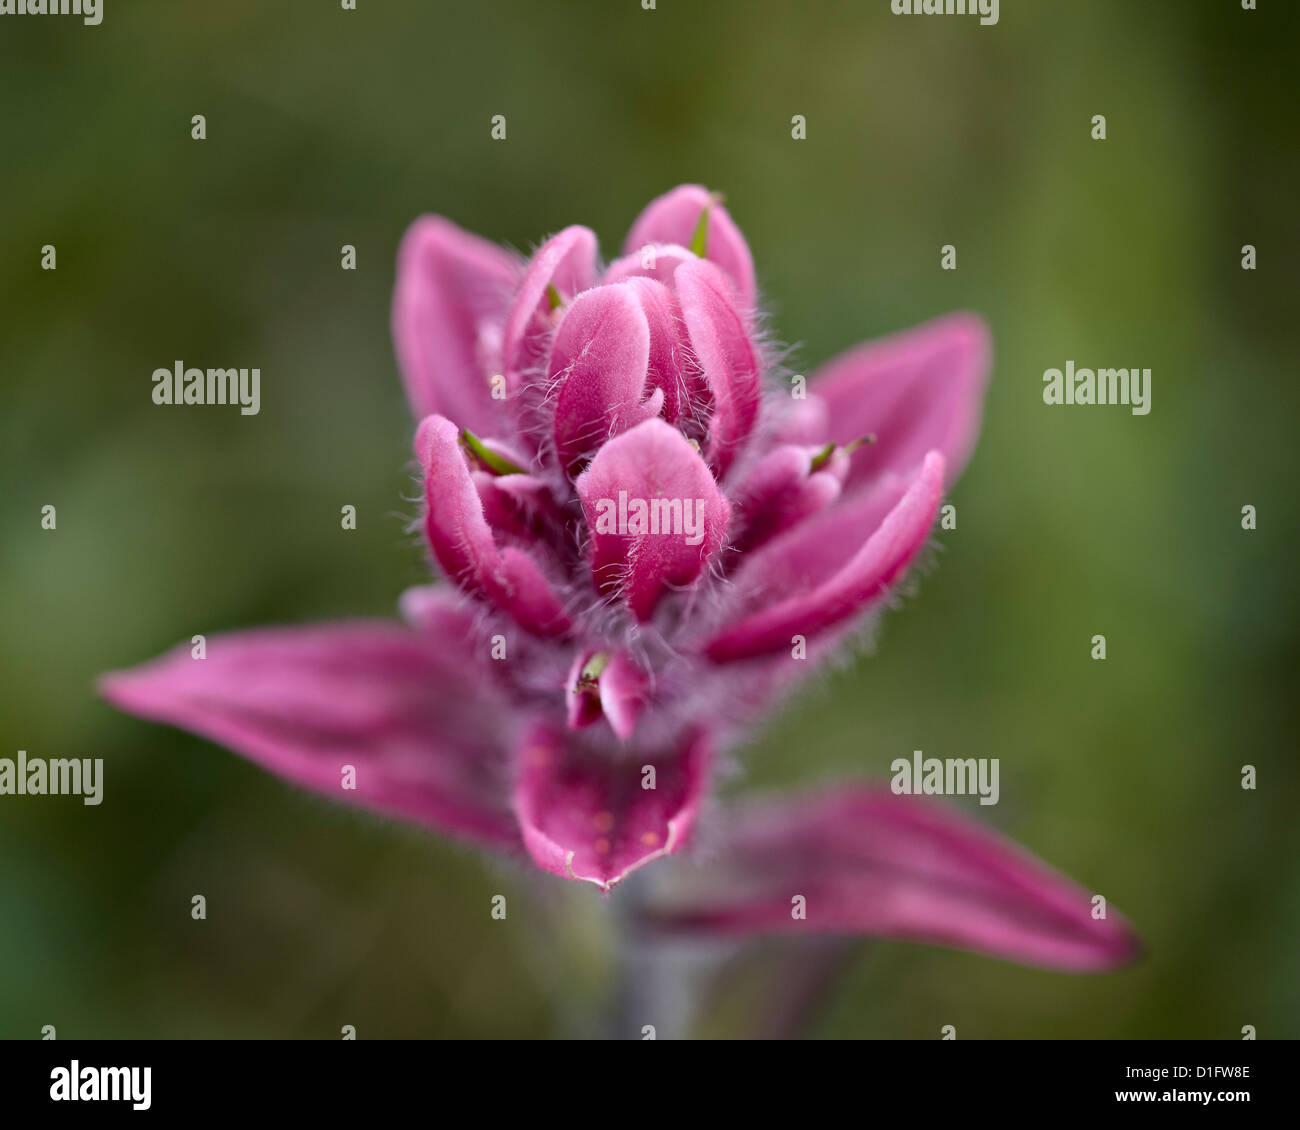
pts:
[617, 694]
[653, 471]
[665, 371]
[437, 611]
[581, 700]
[624, 688]
[726, 355]
[598, 369]
[449, 305]
[869, 862]
[918, 391]
[655, 261]
[801, 561]
[804, 421]
[566, 262]
[458, 533]
[519, 505]
[463, 543]
[520, 588]
[408, 712]
[784, 490]
[812, 552]
[587, 815]
[674, 217]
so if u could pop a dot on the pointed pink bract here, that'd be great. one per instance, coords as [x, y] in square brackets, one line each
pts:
[867, 862]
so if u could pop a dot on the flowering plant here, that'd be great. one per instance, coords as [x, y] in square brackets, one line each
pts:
[647, 539]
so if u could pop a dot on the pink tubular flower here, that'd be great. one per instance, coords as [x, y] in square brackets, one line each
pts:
[648, 537]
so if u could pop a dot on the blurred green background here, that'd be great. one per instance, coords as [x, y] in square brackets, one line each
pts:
[328, 127]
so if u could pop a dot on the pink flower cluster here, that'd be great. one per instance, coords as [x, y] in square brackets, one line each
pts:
[567, 694]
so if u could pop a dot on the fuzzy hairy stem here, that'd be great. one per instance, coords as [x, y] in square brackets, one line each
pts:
[652, 984]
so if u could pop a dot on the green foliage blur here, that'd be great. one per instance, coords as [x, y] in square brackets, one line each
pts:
[328, 127]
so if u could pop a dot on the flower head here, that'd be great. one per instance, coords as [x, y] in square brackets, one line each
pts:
[647, 534]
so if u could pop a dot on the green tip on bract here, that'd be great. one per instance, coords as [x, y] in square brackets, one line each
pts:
[553, 297]
[497, 464]
[821, 458]
[700, 240]
[824, 455]
[591, 671]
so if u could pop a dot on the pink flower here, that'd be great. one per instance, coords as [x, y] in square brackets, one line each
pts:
[649, 537]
